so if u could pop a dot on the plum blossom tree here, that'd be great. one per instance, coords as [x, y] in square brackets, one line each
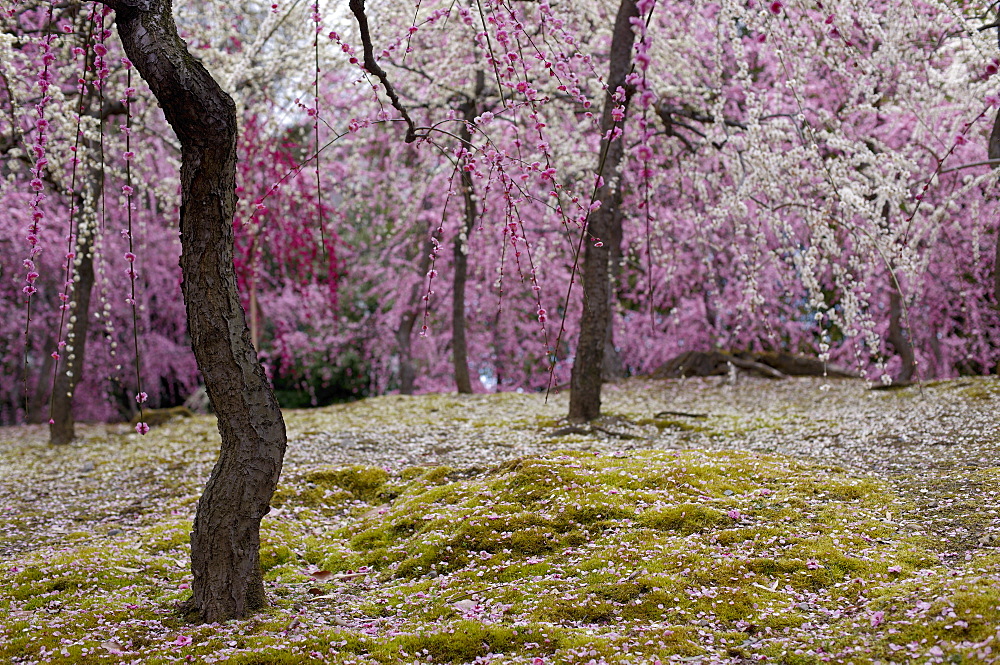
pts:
[603, 224]
[225, 539]
[81, 160]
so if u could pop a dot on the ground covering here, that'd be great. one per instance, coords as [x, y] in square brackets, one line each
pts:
[791, 522]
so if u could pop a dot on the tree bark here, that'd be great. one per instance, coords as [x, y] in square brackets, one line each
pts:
[993, 152]
[899, 339]
[62, 424]
[225, 539]
[585, 380]
[404, 334]
[612, 368]
[459, 344]
[38, 404]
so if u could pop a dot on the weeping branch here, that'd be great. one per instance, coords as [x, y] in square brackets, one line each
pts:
[358, 8]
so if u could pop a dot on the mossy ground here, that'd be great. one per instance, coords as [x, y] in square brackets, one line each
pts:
[610, 555]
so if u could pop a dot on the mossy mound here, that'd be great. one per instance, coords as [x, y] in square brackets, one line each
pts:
[725, 551]
[629, 557]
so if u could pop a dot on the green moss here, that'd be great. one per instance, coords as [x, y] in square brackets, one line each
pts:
[363, 482]
[629, 557]
[330, 490]
[274, 656]
[685, 518]
[463, 642]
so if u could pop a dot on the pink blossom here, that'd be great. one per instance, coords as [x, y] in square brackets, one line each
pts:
[143, 428]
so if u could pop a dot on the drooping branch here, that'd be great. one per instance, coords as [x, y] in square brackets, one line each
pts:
[358, 8]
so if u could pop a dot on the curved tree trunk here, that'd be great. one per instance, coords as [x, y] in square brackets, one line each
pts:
[459, 344]
[585, 380]
[226, 536]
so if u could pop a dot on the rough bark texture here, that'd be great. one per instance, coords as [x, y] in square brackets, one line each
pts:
[585, 381]
[899, 339]
[226, 535]
[61, 427]
[613, 368]
[459, 345]
[404, 333]
[993, 151]
[38, 403]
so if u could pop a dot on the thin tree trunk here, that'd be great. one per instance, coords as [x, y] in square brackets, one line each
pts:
[993, 152]
[61, 424]
[404, 334]
[459, 344]
[899, 339]
[585, 380]
[225, 540]
[612, 368]
[38, 405]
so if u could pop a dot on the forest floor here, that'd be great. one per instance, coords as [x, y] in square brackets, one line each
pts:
[795, 521]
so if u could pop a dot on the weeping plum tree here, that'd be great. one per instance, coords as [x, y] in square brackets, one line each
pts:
[460, 350]
[603, 225]
[225, 539]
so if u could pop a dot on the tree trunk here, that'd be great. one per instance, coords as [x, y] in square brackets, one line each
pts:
[61, 425]
[38, 404]
[899, 339]
[993, 152]
[404, 334]
[612, 368]
[585, 380]
[225, 540]
[459, 345]
[67, 377]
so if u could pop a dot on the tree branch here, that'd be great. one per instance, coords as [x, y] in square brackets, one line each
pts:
[358, 8]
